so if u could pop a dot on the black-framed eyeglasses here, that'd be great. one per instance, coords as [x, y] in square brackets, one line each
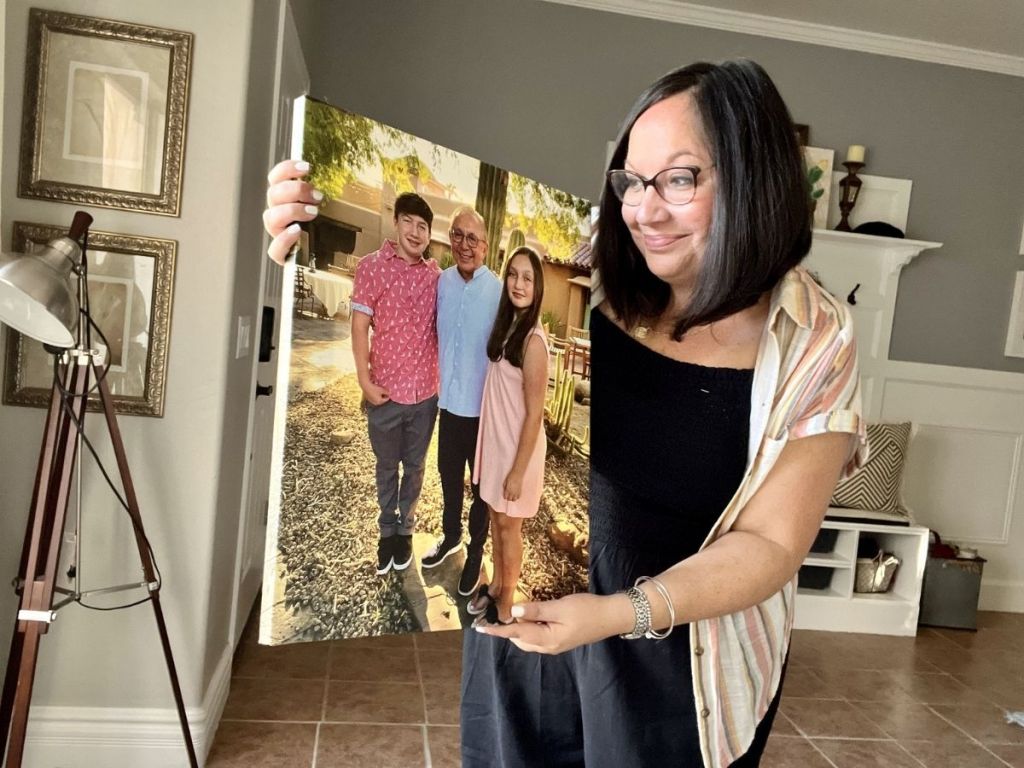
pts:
[457, 236]
[676, 185]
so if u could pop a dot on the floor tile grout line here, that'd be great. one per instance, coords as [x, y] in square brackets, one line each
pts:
[423, 695]
[316, 745]
[911, 755]
[426, 749]
[997, 757]
[804, 736]
[817, 749]
[970, 736]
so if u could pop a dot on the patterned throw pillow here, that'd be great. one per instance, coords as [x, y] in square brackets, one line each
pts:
[876, 485]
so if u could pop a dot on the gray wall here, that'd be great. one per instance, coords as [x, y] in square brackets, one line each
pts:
[188, 465]
[540, 88]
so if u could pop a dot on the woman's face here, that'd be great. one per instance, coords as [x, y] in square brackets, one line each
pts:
[519, 281]
[671, 238]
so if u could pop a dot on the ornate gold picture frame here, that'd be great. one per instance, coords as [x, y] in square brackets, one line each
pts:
[131, 286]
[104, 113]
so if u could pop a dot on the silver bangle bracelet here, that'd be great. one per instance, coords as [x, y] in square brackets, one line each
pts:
[641, 613]
[651, 633]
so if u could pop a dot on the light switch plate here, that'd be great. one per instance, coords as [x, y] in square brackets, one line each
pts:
[243, 340]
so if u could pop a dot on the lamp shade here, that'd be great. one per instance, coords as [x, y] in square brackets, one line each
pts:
[37, 297]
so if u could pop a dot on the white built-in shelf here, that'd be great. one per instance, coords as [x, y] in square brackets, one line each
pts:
[828, 560]
[839, 609]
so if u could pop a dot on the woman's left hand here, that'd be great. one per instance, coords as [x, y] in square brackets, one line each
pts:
[512, 488]
[555, 626]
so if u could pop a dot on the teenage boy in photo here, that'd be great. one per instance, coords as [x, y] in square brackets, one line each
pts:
[467, 303]
[395, 294]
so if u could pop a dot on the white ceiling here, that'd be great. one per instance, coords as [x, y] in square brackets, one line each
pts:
[977, 34]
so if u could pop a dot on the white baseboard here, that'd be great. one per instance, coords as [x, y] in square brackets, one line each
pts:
[105, 737]
[1001, 596]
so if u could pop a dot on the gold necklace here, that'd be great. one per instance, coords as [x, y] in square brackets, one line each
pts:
[641, 332]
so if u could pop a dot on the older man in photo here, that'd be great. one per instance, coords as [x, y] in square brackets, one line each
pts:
[467, 302]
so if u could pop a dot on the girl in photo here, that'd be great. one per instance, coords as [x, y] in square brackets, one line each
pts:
[510, 450]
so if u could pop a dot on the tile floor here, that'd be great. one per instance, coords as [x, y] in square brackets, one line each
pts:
[849, 701]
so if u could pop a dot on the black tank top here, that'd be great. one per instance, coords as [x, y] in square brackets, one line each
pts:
[668, 445]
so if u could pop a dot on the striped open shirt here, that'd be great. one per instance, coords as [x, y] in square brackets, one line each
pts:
[805, 383]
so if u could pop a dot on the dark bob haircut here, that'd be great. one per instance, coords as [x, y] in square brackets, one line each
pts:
[761, 218]
[414, 205]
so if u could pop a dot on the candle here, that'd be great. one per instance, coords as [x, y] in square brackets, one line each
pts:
[855, 154]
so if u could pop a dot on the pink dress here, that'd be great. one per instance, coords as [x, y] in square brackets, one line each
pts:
[501, 422]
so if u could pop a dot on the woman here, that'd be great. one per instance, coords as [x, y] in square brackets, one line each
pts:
[510, 445]
[712, 354]
[725, 407]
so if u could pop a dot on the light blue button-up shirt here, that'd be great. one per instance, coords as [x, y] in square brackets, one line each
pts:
[465, 316]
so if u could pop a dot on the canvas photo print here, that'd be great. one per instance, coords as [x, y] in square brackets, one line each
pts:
[434, 440]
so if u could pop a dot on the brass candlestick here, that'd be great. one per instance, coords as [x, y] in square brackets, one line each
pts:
[850, 186]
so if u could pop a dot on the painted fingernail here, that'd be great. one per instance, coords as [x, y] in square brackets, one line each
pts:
[518, 611]
[481, 630]
[318, 195]
[293, 229]
[312, 210]
[301, 165]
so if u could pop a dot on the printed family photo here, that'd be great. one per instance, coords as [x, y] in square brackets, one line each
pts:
[434, 461]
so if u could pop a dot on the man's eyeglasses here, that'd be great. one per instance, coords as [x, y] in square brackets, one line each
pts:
[676, 186]
[457, 236]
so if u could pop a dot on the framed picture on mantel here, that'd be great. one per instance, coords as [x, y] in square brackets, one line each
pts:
[104, 114]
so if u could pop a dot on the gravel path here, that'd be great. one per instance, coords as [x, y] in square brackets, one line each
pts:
[327, 534]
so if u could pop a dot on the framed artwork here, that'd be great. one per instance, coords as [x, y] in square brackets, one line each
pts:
[131, 284]
[104, 114]
[819, 176]
[1015, 330]
[881, 199]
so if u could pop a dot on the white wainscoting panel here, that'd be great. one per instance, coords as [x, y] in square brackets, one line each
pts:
[964, 482]
[965, 468]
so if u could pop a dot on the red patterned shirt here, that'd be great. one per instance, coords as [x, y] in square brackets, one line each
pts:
[401, 300]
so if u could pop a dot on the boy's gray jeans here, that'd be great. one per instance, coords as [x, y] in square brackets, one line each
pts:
[400, 434]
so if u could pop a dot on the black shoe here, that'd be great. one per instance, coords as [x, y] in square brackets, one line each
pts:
[470, 578]
[385, 555]
[439, 552]
[402, 552]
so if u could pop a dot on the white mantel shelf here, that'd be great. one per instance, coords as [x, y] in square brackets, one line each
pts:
[900, 250]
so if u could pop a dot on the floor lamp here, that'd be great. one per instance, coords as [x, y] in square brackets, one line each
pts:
[40, 299]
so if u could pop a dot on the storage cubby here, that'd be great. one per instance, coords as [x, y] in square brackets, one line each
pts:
[839, 609]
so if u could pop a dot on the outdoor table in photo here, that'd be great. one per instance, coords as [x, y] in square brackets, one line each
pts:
[331, 290]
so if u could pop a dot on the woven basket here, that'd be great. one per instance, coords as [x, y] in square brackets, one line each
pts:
[875, 574]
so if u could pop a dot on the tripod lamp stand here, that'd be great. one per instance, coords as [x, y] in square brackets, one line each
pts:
[39, 298]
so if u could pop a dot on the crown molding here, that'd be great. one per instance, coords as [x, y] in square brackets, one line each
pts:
[806, 32]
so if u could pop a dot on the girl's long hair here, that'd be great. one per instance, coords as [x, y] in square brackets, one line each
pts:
[508, 337]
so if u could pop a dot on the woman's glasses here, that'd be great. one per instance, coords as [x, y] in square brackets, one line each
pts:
[676, 186]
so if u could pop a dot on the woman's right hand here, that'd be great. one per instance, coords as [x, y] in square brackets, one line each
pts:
[289, 201]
